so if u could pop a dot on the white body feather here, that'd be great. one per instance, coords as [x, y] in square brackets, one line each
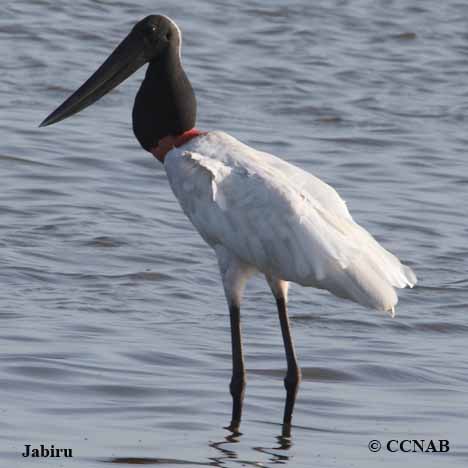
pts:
[273, 217]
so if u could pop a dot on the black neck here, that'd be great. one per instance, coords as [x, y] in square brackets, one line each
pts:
[165, 103]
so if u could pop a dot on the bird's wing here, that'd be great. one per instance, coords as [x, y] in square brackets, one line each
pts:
[307, 182]
[267, 215]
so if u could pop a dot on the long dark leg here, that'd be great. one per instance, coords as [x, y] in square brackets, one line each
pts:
[293, 374]
[234, 274]
[238, 379]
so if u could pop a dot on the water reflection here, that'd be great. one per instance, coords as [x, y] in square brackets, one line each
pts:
[228, 454]
[284, 443]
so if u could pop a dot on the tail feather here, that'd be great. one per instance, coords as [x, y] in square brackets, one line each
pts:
[370, 280]
[387, 264]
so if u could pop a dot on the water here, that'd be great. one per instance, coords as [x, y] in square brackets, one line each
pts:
[114, 333]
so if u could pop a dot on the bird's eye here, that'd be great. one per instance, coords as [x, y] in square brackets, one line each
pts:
[168, 36]
[150, 30]
[151, 33]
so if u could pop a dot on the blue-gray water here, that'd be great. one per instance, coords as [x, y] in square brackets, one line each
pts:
[114, 334]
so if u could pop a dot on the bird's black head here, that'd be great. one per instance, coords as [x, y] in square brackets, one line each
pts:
[165, 103]
[158, 34]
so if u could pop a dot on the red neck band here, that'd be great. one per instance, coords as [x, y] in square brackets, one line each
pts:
[169, 142]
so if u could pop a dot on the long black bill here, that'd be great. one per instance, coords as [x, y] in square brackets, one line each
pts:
[126, 59]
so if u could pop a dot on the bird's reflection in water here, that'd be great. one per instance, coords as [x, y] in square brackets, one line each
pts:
[227, 446]
[229, 453]
[283, 440]
[284, 443]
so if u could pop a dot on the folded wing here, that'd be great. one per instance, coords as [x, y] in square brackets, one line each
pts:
[282, 220]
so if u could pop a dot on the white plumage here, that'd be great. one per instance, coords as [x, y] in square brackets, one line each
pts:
[261, 213]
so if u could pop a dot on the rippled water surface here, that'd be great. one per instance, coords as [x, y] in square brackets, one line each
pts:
[114, 333]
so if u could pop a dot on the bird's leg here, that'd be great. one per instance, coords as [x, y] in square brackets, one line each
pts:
[234, 274]
[237, 385]
[293, 374]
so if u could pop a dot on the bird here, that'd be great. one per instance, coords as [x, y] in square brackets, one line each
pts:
[259, 213]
